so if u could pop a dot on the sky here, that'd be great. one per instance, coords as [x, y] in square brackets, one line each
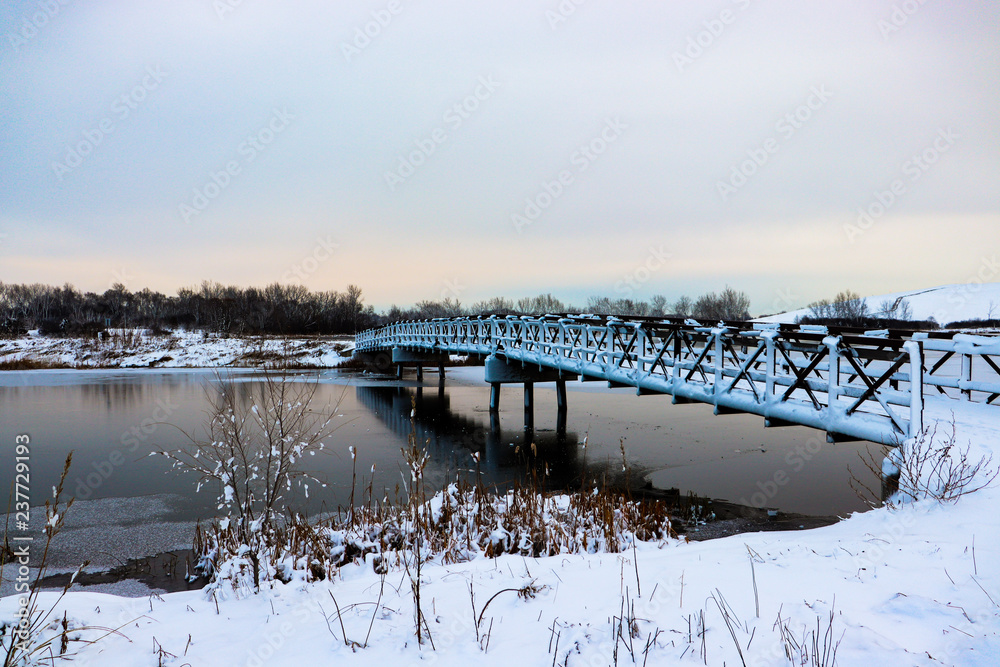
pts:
[424, 150]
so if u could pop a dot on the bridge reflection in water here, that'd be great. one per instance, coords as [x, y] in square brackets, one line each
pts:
[452, 438]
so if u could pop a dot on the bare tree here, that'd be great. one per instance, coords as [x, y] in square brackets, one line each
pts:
[820, 309]
[258, 433]
[848, 305]
[658, 305]
[683, 306]
[730, 305]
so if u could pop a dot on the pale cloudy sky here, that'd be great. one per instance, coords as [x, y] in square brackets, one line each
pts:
[470, 149]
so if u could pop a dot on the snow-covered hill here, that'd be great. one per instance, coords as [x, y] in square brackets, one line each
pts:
[948, 303]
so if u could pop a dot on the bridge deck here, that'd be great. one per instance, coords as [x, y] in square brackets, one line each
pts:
[867, 387]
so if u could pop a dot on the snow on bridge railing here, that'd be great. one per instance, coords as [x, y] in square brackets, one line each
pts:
[868, 387]
[969, 364]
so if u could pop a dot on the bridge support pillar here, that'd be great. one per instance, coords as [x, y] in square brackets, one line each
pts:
[500, 370]
[381, 360]
[402, 356]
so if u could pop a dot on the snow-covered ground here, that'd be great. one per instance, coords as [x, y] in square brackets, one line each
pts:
[132, 348]
[918, 585]
[948, 303]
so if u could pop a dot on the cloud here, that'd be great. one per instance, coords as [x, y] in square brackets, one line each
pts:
[688, 129]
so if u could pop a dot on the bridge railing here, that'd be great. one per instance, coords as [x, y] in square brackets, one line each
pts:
[860, 386]
[969, 365]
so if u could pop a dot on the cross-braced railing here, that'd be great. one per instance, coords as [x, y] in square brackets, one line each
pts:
[866, 387]
[968, 365]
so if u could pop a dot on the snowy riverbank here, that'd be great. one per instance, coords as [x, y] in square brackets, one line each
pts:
[136, 348]
[918, 585]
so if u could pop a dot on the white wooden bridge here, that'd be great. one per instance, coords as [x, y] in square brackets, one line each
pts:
[851, 384]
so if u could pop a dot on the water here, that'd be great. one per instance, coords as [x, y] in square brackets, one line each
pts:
[112, 420]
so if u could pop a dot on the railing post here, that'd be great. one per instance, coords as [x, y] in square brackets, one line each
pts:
[717, 362]
[966, 375]
[916, 350]
[678, 351]
[770, 355]
[609, 348]
[833, 389]
[640, 351]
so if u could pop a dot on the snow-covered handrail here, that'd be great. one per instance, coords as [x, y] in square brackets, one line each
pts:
[969, 364]
[863, 387]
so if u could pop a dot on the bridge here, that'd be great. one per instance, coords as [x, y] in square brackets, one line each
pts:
[853, 384]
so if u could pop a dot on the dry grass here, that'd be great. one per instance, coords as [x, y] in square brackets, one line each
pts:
[354, 363]
[37, 636]
[31, 364]
[457, 524]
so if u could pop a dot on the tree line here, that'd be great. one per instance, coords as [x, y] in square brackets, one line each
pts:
[295, 310]
[730, 304]
[847, 308]
[274, 309]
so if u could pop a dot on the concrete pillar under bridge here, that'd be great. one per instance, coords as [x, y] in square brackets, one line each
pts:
[500, 370]
[381, 360]
[402, 356]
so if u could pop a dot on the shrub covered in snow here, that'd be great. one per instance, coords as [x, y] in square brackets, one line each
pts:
[459, 523]
[258, 435]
